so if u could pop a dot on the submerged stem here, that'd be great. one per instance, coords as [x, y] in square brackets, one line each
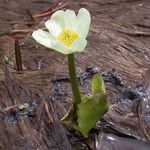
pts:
[74, 81]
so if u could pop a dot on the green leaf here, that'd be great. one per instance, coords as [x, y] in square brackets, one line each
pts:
[85, 99]
[98, 85]
[90, 110]
[69, 118]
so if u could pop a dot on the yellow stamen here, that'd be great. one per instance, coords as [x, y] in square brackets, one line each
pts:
[67, 36]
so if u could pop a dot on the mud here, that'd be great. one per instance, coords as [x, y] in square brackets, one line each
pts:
[33, 101]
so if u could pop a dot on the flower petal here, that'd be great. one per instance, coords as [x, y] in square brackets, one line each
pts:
[78, 45]
[83, 20]
[54, 27]
[60, 47]
[58, 17]
[43, 33]
[70, 20]
[42, 37]
[45, 39]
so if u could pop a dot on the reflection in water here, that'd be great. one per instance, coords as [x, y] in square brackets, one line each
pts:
[130, 114]
[113, 142]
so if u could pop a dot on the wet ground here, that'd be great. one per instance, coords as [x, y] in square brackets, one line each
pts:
[32, 101]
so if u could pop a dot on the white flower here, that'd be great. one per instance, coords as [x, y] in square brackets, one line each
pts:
[67, 31]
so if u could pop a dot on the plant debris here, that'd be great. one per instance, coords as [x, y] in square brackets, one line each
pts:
[119, 38]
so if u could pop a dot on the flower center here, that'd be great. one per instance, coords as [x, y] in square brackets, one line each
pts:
[67, 36]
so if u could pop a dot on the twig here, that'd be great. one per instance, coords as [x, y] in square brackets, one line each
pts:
[48, 113]
[18, 56]
[20, 31]
[17, 37]
[56, 6]
[10, 108]
[30, 15]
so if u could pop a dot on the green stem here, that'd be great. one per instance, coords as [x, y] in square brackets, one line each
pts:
[74, 81]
